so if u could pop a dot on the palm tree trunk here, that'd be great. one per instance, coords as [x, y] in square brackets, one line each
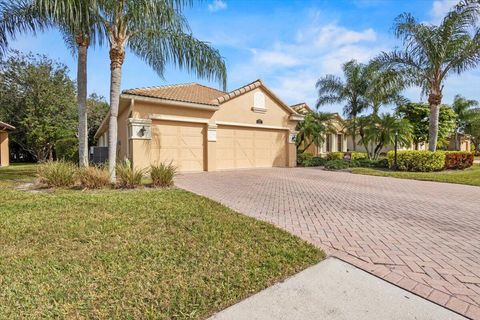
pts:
[82, 101]
[434, 100]
[354, 133]
[117, 57]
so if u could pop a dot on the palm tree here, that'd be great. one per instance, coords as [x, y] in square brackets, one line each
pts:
[155, 31]
[331, 89]
[432, 53]
[384, 88]
[380, 130]
[472, 128]
[76, 19]
[463, 109]
[312, 129]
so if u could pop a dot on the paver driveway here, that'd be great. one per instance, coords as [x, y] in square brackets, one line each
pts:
[421, 236]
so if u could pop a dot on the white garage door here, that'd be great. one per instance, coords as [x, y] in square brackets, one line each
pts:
[179, 142]
[239, 147]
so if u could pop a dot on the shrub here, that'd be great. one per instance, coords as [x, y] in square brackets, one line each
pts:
[66, 149]
[303, 157]
[337, 164]
[458, 160]
[162, 174]
[335, 156]
[367, 163]
[94, 177]
[314, 162]
[358, 155]
[127, 176]
[57, 174]
[418, 160]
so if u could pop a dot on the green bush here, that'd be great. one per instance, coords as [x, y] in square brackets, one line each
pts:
[412, 160]
[335, 156]
[314, 162]
[127, 176]
[337, 164]
[304, 157]
[94, 177]
[67, 149]
[162, 174]
[57, 174]
[458, 160]
[367, 163]
[355, 155]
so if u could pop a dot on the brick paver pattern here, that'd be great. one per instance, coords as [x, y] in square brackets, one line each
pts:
[421, 236]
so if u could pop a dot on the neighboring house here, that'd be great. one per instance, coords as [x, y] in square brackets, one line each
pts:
[4, 151]
[335, 141]
[200, 128]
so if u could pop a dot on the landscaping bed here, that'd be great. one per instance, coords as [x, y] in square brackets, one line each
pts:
[470, 176]
[151, 253]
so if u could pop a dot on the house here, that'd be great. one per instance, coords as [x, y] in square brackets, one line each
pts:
[4, 150]
[199, 128]
[334, 141]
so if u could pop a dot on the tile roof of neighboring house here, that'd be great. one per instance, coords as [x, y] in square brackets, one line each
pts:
[189, 92]
[6, 126]
[301, 108]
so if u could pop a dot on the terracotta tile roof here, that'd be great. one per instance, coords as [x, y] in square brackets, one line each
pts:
[301, 108]
[189, 92]
[6, 126]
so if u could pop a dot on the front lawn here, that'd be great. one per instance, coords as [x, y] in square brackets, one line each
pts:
[133, 254]
[469, 176]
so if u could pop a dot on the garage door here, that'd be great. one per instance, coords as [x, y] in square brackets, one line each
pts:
[179, 142]
[250, 148]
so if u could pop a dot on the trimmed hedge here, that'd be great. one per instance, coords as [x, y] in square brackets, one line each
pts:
[458, 159]
[337, 165]
[413, 160]
[335, 156]
[304, 157]
[355, 155]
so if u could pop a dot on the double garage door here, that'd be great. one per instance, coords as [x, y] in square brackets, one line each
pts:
[237, 147]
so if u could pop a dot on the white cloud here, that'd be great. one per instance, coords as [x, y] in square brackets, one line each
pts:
[440, 9]
[217, 5]
[273, 58]
[333, 35]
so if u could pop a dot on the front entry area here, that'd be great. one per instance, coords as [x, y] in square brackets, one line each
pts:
[244, 147]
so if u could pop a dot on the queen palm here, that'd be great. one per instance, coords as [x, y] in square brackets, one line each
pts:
[155, 31]
[351, 91]
[432, 53]
[463, 109]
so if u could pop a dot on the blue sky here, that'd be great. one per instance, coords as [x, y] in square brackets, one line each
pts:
[287, 44]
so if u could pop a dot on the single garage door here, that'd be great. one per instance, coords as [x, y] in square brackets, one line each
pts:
[239, 147]
[179, 142]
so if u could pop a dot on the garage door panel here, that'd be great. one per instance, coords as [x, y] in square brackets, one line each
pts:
[250, 148]
[179, 143]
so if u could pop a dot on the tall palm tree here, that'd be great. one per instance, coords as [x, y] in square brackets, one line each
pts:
[77, 21]
[432, 53]
[384, 88]
[463, 109]
[155, 31]
[313, 128]
[351, 91]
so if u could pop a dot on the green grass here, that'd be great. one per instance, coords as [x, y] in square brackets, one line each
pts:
[162, 254]
[470, 176]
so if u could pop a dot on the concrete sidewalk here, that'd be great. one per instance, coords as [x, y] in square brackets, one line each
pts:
[336, 290]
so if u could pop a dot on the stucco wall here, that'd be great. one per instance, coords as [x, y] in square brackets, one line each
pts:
[4, 152]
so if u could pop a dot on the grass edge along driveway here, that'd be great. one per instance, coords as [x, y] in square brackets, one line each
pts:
[159, 254]
[470, 176]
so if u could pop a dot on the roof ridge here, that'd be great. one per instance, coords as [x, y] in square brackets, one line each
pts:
[164, 86]
[205, 86]
[229, 95]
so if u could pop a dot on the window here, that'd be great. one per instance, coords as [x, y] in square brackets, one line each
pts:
[339, 142]
[328, 143]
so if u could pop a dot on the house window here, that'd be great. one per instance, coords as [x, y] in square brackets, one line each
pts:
[328, 143]
[259, 121]
[339, 142]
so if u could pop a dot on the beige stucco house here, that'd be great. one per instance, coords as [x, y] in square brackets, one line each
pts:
[200, 128]
[4, 151]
